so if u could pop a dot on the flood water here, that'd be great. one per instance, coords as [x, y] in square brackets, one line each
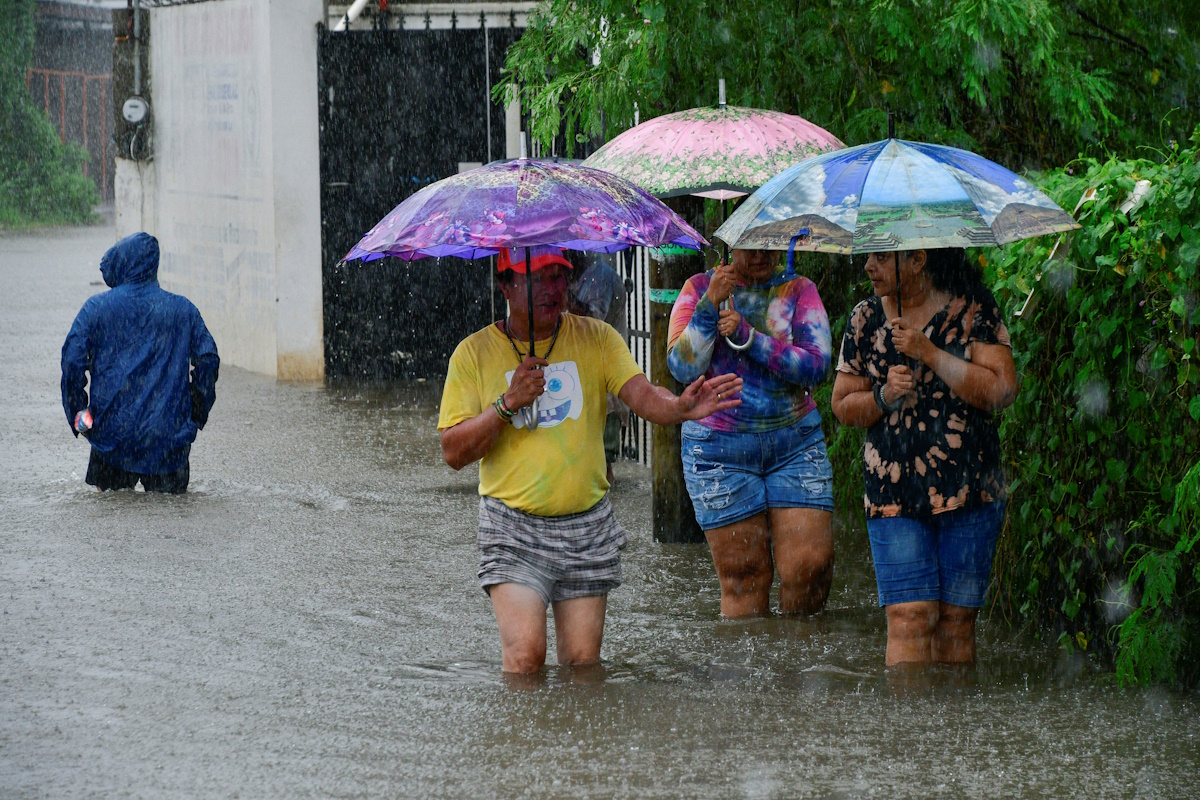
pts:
[305, 622]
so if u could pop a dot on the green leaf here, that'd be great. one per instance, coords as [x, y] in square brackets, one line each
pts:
[1189, 253]
[1194, 408]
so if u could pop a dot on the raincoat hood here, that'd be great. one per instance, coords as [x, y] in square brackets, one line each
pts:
[134, 259]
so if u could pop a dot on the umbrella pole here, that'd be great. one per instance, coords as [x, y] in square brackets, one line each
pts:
[530, 411]
[724, 216]
[899, 310]
[529, 296]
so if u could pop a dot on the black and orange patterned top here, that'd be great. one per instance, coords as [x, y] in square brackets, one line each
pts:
[936, 453]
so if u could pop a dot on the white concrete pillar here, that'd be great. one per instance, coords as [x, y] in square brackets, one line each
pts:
[512, 130]
[135, 187]
[299, 328]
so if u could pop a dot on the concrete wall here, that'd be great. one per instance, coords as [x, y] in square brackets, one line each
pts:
[298, 324]
[233, 195]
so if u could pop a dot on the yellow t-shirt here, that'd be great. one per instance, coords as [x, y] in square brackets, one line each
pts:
[558, 468]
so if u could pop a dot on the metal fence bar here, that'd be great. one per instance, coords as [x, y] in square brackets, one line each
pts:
[85, 138]
[78, 113]
[104, 79]
[635, 267]
[62, 107]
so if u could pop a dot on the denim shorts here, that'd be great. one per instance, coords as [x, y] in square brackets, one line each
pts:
[731, 476]
[946, 557]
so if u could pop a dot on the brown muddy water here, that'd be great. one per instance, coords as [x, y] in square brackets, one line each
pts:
[306, 623]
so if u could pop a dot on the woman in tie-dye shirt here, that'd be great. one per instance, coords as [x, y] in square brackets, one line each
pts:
[758, 474]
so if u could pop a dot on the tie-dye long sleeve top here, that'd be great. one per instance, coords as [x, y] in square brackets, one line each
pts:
[790, 352]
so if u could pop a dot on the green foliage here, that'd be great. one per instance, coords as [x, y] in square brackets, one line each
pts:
[1152, 636]
[1104, 438]
[1028, 83]
[41, 179]
[1102, 442]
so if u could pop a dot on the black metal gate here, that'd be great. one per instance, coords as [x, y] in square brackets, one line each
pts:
[401, 109]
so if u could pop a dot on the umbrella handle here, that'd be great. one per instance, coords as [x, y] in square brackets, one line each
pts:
[791, 273]
[728, 341]
[529, 415]
[791, 256]
[531, 411]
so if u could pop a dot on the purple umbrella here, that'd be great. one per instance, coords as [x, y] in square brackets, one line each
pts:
[525, 205]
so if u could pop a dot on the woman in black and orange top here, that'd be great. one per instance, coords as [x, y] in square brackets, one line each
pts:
[925, 384]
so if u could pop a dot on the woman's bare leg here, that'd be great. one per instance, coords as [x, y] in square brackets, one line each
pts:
[954, 637]
[579, 629]
[910, 631]
[521, 615]
[802, 545]
[741, 553]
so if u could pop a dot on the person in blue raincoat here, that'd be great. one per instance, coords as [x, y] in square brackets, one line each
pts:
[153, 368]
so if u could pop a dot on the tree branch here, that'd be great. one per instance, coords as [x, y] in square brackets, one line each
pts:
[1096, 23]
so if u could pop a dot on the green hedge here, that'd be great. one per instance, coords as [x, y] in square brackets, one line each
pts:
[1103, 441]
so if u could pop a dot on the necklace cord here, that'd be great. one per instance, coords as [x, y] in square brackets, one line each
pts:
[520, 355]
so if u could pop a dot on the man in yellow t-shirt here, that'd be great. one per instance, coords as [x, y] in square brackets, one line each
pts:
[547, 533]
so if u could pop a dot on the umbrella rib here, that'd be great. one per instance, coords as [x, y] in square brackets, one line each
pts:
[671, 152]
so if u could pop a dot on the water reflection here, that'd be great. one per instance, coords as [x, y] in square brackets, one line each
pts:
[306, 623]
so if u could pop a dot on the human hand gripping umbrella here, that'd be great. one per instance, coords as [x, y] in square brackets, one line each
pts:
[530, 208]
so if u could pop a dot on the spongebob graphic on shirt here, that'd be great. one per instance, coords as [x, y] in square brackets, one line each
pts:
[563, 398]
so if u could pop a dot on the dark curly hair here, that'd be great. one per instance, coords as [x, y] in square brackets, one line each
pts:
[951, 271]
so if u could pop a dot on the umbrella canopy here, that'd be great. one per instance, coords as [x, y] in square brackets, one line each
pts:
[719, 153]
[893, 195]
[527, 207]
[524, 203]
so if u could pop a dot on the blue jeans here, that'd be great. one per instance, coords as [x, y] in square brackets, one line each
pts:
[946, 557]
[732, 476]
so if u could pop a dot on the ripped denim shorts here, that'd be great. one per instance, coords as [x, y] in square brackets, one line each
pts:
[731, 476]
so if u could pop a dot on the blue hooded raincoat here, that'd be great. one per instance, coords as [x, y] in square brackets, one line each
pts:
[152, 361]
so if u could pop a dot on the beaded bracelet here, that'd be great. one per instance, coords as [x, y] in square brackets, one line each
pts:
[503, 410]
[883, 403]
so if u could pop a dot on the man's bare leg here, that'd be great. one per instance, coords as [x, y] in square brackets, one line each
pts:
[741, 554]
[521, 615]
[579, 629]
[802, 545]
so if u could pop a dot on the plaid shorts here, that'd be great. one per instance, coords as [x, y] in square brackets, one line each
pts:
[560, 558]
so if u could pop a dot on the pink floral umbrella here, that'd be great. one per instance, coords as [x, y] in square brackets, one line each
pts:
[719, 153]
